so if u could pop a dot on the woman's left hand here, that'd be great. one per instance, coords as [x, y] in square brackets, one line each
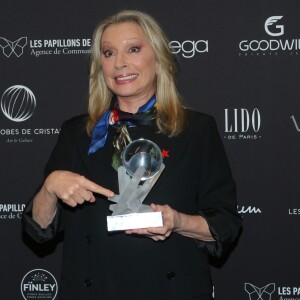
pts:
[171, 220]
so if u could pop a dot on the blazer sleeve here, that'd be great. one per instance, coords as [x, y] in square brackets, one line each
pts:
[217, 194]
[63, 157]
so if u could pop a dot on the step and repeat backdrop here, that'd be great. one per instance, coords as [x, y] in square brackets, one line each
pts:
[239, 61]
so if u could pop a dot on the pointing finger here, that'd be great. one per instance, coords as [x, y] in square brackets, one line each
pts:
[93, 187]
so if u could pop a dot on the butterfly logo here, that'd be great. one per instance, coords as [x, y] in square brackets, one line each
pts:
[263, 293]
[16, 47]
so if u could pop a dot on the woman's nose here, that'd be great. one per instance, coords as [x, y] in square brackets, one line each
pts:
[120, 62]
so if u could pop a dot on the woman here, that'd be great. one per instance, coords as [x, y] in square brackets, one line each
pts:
[133, 95]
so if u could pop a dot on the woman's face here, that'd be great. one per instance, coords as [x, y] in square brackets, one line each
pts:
[129, 64]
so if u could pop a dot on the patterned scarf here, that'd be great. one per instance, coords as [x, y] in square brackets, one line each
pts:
[120, 119]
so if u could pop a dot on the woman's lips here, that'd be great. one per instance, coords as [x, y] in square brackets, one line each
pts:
[121, 79]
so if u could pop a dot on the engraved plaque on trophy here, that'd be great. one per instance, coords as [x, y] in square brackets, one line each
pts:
[142, 166]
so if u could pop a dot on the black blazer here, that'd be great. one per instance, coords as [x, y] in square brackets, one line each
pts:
[112, 266]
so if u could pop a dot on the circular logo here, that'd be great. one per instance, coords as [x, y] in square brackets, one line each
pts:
[39, 284]
[18, 103]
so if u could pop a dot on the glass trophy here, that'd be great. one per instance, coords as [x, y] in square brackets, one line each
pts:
[142, 165]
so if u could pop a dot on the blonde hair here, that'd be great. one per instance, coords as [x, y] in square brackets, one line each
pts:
[170, 113]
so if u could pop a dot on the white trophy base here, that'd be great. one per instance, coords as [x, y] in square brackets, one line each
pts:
[134, 221]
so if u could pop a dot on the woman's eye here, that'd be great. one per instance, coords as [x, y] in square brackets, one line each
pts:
[108, 53]
[134, 49]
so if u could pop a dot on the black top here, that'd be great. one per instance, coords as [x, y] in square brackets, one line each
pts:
[112, 266]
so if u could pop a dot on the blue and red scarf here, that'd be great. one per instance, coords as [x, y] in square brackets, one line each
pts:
[120, 119]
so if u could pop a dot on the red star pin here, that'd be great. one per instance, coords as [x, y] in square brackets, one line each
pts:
[165, 153]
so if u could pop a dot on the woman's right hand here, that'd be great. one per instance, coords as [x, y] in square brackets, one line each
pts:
[72, 188]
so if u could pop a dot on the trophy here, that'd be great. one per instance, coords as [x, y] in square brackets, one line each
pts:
[142, 166]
